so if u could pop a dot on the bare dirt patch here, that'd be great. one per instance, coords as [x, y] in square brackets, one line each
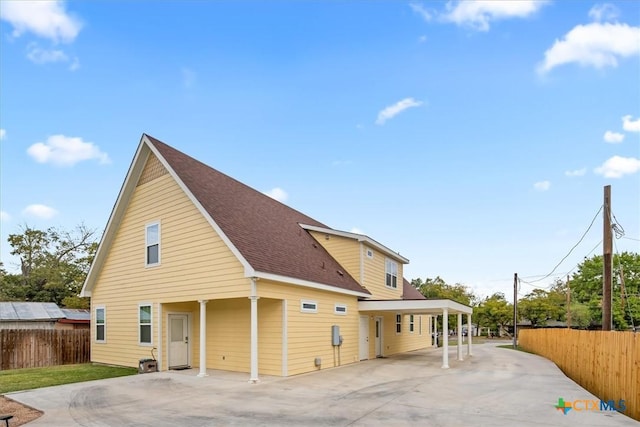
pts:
[22, 414]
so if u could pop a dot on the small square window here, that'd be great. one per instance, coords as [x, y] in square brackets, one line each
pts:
[340, 309]
[308, 306]
[369, 253]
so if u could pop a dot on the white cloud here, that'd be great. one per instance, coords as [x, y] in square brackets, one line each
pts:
[4, 216]
[188, 77]
[479, 14]
[395, 109]
[422, 11]
[542, 185]
[630, 125]
[576, 172]
[613, 137]
[278, 194]
[617, 167]
[356, 230]
[66, 151]
[596, 44]
[38, 55]
[604, 12]
[3, 134]
[40, 211]
[46, 19]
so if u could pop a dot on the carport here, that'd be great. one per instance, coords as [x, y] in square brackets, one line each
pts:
[431, 307]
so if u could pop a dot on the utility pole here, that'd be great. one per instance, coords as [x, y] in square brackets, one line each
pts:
[515, 310]
[568, 304]
[607, 246]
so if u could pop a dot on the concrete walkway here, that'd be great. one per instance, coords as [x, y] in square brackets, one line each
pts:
[496, 387]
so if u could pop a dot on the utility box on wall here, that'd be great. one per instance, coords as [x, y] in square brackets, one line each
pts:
[336, 339]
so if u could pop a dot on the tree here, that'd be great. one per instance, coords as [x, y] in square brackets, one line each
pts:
[53, 265]
[586, 289]
[494, 312]
[438, 288]
[540, 305]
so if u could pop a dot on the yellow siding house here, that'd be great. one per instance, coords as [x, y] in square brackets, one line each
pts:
[196, 269]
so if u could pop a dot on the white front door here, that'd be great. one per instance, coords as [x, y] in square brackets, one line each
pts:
[178, 341]
[364, 337]
[378, 336]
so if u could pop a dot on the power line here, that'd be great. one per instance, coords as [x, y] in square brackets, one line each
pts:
[571, 250]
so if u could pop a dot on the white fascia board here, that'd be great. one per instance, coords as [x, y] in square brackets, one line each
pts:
[248, 269]
[135, 169]
[430, 306]
[308, 284]
[360, 238]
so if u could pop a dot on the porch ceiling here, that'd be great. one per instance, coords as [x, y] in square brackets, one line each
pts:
[428, 306]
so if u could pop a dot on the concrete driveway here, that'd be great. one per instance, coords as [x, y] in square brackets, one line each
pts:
[496, 387]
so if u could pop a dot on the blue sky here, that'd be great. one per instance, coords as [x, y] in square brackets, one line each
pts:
[475, 138]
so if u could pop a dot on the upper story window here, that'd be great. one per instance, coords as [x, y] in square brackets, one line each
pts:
[391, 272]
[152, 243]
[369, 253]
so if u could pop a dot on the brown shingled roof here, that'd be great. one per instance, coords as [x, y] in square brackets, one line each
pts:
[409, 291]
[265, 232]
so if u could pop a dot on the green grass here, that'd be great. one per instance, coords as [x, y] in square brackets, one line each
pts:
[518, 347]
[30, 378]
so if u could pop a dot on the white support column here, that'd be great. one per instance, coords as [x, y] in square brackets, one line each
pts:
[435, 330]
[469, 335]
[254, 332]
[460, 337]
[445, 338]
[203, 338]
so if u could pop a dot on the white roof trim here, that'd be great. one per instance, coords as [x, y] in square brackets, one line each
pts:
[308, 284]
[248, 270]
[422, 306]
[360, 238]
[135, 170]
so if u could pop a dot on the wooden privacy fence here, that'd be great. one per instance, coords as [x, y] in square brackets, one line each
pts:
[34, 348]
[605, 363]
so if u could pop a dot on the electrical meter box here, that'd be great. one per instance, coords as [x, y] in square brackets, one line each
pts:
[336, 339]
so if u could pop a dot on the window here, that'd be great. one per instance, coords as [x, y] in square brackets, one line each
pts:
[411, 324]
[398, 323]
[308, 306]
[391, 270]
[101, 324]
[144, 322]
[152, 240]
[340, 309]
[369, 253]
[420, 325]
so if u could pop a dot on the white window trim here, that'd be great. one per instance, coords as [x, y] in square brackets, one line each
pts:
[145, 304]
[340, 313]
[398, 316]
[146, 243]
[303, 309]
[420, 324]
[104, 325]
[387, 262]
[412, 324]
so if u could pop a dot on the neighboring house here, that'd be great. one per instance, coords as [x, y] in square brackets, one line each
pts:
[29, 315]
[204, 271]
[75, 318]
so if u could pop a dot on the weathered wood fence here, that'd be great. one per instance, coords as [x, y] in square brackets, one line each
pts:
[605, 363]
[33, 348]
